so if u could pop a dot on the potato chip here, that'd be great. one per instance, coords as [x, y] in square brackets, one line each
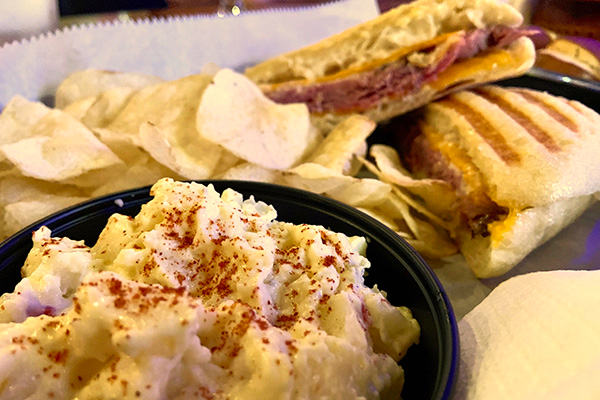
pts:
[18, 119]
[313, 177]
[390, 221]
[361, 192]
[433, 250]
[181, 159]
[18, 215]
[171, 103]
[15, 188]
[92, 82]
[55, 146]
[395, 207]
[47, 158]
[123, 146]
[7, 169]
[141, 168]
[250, 172]
[228, 160]
[352, 191]
[96, 177]
[236, 114]
[423, 209]
[79, 108]
[436, 242]
[388, 161]
[438, 195]
[167, 112]
[210, 68]
[98, 111]
[339, 147]
[146, 171]
[16, 191]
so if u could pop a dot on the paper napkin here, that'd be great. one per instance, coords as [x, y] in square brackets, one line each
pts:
[536, 336]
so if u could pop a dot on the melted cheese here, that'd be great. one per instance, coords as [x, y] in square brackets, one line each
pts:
[398, 54]
[472, 178]
[455, 155]
[394, 56]
[457, 72]
[465, 70]
[498, 229]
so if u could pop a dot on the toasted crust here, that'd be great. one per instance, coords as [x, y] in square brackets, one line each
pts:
[404, 26]
[532, 148]
[532, 153]
[529, 229]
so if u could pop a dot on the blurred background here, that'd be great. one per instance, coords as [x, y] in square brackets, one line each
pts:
[565, 17]
[568, 17]
[183, 7]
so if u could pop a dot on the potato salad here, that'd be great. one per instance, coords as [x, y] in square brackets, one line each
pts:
[201, 295]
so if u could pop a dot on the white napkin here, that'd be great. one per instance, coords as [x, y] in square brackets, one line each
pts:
[536, 336]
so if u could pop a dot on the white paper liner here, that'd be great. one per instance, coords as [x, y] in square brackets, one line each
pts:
[171, 47]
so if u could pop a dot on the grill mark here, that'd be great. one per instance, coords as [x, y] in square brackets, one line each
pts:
[550, 110]
[522, 119]
[484, 129]
[587, 113]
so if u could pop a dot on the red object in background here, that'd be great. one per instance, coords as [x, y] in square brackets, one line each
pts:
[569, 18]
[385, 5]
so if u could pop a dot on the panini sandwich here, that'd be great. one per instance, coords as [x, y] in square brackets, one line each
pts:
[401, 60]
[524, 164]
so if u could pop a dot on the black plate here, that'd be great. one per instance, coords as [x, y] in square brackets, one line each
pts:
[586, 92]
[430, 367]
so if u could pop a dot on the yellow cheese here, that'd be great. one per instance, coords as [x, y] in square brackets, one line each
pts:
[471, 177]
[498, 229]
[398, 54]
[455, 155]
[459, 71]
[465, 69]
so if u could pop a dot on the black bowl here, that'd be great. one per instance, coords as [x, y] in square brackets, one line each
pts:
[430, 367]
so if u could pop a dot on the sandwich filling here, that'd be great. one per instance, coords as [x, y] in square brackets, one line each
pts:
[483, 140]
[343, 92]
[426, 155]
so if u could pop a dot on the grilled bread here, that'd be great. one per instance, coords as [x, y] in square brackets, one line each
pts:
[401, 60]
[524, 165]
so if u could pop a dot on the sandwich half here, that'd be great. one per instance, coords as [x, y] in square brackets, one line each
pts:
[523, 163]
[401, 60]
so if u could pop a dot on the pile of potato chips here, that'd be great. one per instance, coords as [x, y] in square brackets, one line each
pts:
[111, 131]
